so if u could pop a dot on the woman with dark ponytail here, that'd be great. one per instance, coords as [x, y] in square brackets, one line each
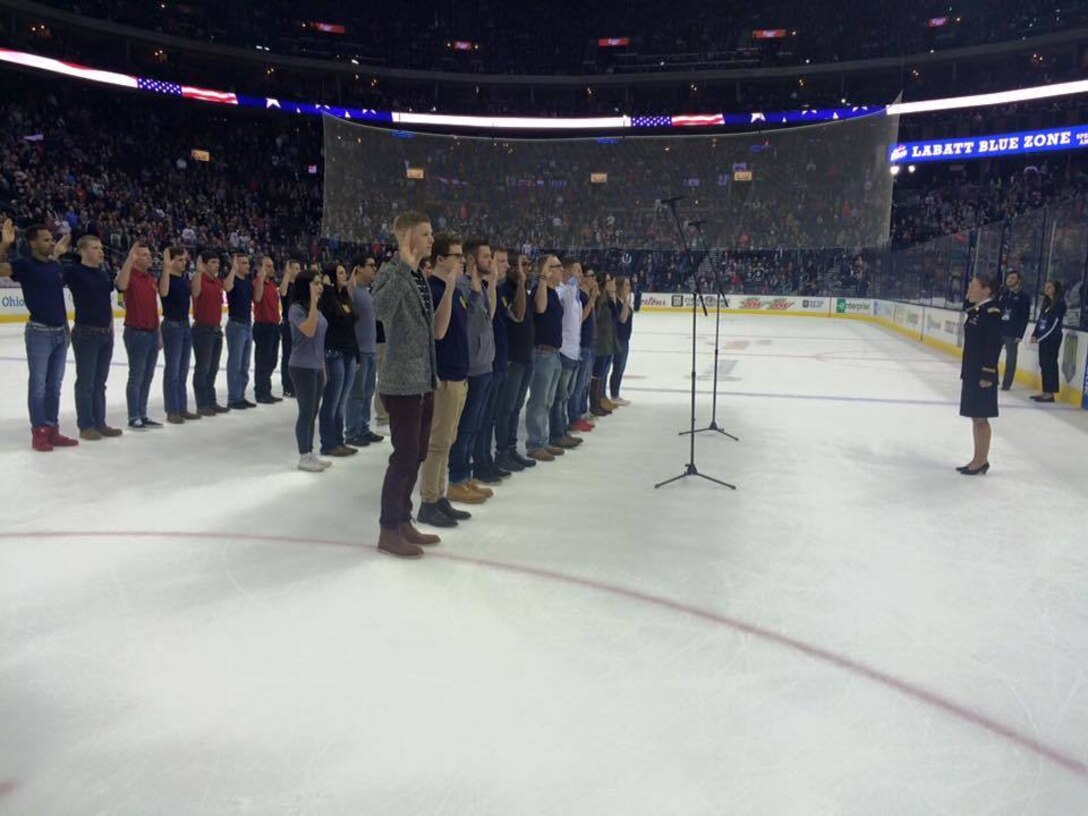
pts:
[341, 357]
[307, 363]
[1048, 334]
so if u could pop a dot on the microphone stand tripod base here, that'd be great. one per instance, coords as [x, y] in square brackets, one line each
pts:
[691, 470]
[713, 426]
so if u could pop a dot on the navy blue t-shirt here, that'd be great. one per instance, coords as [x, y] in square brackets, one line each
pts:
[452, 350]
[589, 324]
[92, 293]
[240, 301]
[548, 326]
[498, 326]
[519, 336]
[43, 290]
[623, 330]
[175, 306]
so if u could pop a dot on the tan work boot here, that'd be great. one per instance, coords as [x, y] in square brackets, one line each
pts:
[486, 492]
[391, 542]
[463, 494]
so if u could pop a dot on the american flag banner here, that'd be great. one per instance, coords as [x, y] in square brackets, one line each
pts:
[651, 121]
[186, 91]
[698, 120]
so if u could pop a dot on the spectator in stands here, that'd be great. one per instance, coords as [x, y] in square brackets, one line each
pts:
[266, 331]
[142, 336]
[1015, 305]
[287, 279]
[357, 416]
[42, 281]
[177, 344]
[1048, 335]
[308, 327]
[91, 286]
[207, 294]
[623, 340]
[239, 289]
[341, 359]
[407, 378]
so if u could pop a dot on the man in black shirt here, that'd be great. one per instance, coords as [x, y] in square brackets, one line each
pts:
[287, 283]
[518, 324]
[92, 337]
[239, 291]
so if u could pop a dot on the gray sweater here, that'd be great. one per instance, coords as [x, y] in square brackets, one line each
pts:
[481, 335]
[407, 314]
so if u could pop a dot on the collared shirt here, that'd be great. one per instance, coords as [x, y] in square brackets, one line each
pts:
[142, 302]
[572, 320]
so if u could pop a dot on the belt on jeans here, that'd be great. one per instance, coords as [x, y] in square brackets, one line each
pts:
[96, 329]
[175, 322]
[546, 349]
[30, 324]
[209, 326]
[145, 331]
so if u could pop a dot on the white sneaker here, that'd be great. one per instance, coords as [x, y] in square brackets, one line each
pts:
[307, 463]
[324, 464]
[618, 401]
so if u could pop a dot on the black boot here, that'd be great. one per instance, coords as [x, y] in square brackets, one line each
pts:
[432, 515]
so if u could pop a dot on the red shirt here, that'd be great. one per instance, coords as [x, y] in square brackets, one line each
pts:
[142, 302]
[208, 307]
[268, 310]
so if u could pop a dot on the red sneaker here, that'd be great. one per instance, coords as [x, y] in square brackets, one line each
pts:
[39, 439]
[581, 426]
[59, 440]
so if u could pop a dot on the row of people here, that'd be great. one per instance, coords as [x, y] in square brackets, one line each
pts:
[468, 341]
[253, 325]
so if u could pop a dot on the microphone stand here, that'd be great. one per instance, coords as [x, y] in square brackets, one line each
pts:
[713, 426]
[690, 468]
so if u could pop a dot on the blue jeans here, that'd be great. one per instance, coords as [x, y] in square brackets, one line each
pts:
[93, 349]
[46, 349]
[239, 351]
[579, 400]
[601, 364]
[310, 382]
[545, 382]
[468, 429]
[482, 457]
[143, 353]
[567, 376]
[340, 373]
[511, 399]
[207, 349]
[177, 347]
[619, 365]
[361, 396]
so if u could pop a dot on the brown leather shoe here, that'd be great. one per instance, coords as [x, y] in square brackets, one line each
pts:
[107, 431]
[411, 535]
[340, 450]
[463, 494]
[90, 435]
[568, 442]
[541, 455]
[486, 492]
[554, 451]
[391, 543]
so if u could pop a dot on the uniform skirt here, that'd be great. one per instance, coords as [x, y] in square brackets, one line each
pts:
[977, 402]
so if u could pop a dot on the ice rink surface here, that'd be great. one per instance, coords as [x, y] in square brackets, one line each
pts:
[188, 625]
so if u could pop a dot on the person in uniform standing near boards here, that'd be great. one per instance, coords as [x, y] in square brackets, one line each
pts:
[981, 348]
[1015, 305]
[1048, 334]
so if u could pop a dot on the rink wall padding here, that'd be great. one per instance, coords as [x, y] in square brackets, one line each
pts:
[934, 326]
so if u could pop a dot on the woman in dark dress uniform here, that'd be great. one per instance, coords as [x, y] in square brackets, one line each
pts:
[981, 348]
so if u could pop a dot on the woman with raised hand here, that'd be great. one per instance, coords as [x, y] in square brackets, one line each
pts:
[1048, 334]
[307, 363]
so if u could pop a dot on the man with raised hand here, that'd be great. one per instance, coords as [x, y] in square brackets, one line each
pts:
[142, 336]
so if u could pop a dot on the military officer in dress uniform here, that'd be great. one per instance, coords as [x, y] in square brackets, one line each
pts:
[981, 348]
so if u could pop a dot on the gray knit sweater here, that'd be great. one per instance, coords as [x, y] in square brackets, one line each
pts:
[407, 315]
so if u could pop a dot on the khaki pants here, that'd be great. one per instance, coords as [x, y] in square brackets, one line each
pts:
[379, 407]
[449, 402]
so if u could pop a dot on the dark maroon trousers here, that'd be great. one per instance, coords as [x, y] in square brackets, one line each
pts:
[410, 434]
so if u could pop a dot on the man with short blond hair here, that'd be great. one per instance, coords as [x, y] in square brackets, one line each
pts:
[407, 376]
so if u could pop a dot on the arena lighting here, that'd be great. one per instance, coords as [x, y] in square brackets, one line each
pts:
[55, 66]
